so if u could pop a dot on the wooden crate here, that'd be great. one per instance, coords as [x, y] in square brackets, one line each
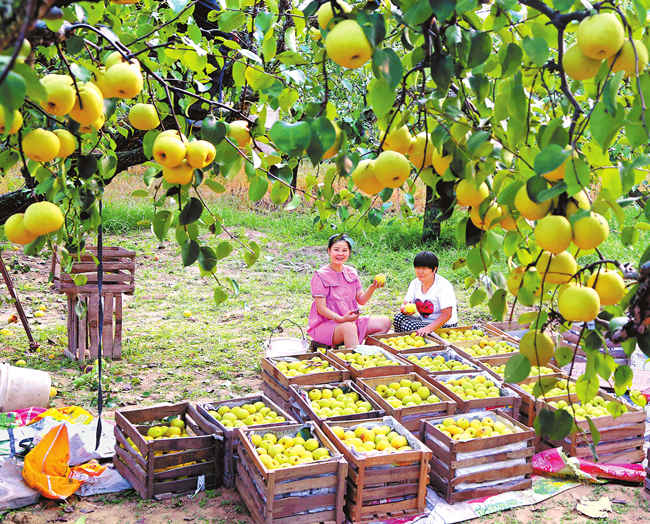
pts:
[511, 328]
[448, 353]
[302, 409]
[229, 435]
[380, 371]
[276, 384]
[153, 475]
[502, 360]
[383, 486]
[509, 397]
[303, 494]
[118, 267]
[383, 341]
[409, 416]
[464, 347]
[436, 335]
[621, 438]
[489, 458]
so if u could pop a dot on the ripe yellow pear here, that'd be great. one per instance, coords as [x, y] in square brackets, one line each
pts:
[41, 145]
[507, 221]
[600, 36]
[93, 126]
[578, 201]
[560, 269]
[347, 45]
[60, 94]
[579, 66]
[42, 218]
[492, 215]
[391, 169]
[124, 80]
[537, 347]
[325, 12]
[579, 304]
[553, 233]
[364, 178]
[200, 153]
[625, 61]
[116, 58]
[337, 143]
[144, 117]
[15, 125]
[440, 163]
[180, 174]
[174, 133]
[417, 154]
[91, 106]
[468, 195]
[398, 140]
[590, 231]
[67, 141]
[529, 209]
[513, 282]
[16, 232]
[168, 150]
[102, 85]
[609, 285]
[238, 131]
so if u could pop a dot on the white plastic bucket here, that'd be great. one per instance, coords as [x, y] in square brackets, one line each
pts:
[23, 388]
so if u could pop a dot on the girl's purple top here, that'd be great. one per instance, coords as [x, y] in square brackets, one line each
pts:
[340, 289]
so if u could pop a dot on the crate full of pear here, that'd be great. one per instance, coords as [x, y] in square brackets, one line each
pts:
[225, 416]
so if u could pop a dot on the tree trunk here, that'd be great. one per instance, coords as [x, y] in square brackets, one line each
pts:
[438, 207]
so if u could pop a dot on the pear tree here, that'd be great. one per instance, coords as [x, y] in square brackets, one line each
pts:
[530, 117]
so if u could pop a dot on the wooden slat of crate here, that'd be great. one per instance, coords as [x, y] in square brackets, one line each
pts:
[276, 392]
[500, 360]
[407, 475]
[445, 460]
[621, 438]
[444, 350]
[382, 341]
[338, 375]
[140, 468]
[301, 406]
[229, 435]
[463, 406]
[260, 487]
[409, 416]
[379, 371]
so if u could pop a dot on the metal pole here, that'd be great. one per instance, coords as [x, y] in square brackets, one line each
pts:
[33, 345]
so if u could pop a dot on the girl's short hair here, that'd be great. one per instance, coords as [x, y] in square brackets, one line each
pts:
[337, 238]
[426, 259]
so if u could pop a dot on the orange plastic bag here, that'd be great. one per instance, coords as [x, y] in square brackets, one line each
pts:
[46, 466]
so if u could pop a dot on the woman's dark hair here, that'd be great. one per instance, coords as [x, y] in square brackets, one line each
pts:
[426, 259]
[337, 238]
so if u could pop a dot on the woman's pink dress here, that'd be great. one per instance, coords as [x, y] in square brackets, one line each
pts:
[340, 290]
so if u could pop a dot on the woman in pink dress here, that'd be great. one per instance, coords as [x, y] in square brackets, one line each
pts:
[334, 317]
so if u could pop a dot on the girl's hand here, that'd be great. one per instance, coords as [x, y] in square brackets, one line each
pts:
[423, 331]
[350, 316]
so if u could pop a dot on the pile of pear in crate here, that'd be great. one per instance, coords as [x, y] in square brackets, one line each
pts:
[359, 435]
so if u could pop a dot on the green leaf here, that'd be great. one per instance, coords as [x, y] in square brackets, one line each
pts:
[629, 235]
[387, 66]
[544, 421]
[615, 408]
[34, 89]
[517, 368]
[252, 254]
[214, 185]
[190, 252]
[373, 25]
[374, 216]
[380, 97]
[213, 130]
[279, 192]
[191, 212]
[257, 188]
[536, 49]
[263, 21]
[12, 91]
[219, 295]
[323, 136]
[544, 384]
[563, 355]
[497, 304]
[475, 141]
[604, 125]
[576, 175]
[475, 261]
[550, 158]
[224, 248]
[443, 9]
[512, 60]
[595, 434]
[480, 50]
[294, 202]
[535, 187]
[418, 13]
[207, 259]
[229, 21]
[147, 143]
[442, 69]
[587, 388]
[562, 425]
[622, 379]
[291, 138]
[162, 221]
[478, 297]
